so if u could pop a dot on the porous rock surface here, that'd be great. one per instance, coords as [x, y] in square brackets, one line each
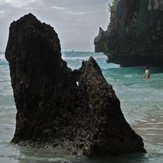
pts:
[134, 36]
[52, 108]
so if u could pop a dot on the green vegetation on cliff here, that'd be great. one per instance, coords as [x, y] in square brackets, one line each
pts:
[112, 5]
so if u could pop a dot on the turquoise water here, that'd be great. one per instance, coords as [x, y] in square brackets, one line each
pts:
[141, 104]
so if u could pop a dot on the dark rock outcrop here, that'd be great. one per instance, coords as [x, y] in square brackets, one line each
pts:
[52, 108]
[135, 34]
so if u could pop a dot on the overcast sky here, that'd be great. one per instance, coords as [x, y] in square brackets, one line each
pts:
[77, 22]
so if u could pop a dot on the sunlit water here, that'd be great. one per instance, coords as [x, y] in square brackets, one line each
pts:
[141, 104]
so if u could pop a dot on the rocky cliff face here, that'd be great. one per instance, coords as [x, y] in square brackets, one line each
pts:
[52, 109]
[135, 34]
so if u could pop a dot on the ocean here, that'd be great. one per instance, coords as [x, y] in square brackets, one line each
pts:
[141, 104]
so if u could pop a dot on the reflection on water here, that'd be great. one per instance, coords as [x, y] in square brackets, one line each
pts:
[151, 129]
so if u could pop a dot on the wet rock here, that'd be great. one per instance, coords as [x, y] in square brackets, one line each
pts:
[75, 112]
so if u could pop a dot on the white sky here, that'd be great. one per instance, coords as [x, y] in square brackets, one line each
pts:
[77, 22]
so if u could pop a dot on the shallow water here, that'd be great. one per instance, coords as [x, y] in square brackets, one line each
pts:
[141, 104]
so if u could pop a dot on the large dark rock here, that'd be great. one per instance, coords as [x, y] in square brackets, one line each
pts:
[135, 34]
[52, 108]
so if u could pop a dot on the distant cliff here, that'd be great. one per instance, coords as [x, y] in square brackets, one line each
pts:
[135, 34]
[74, 112]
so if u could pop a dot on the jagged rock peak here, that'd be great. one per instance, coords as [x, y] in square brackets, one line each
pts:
[34, 34]
[52, 109]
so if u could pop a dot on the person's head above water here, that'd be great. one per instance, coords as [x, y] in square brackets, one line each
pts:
[147, 67]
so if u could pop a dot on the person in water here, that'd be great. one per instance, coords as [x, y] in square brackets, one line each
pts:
[147, 73]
